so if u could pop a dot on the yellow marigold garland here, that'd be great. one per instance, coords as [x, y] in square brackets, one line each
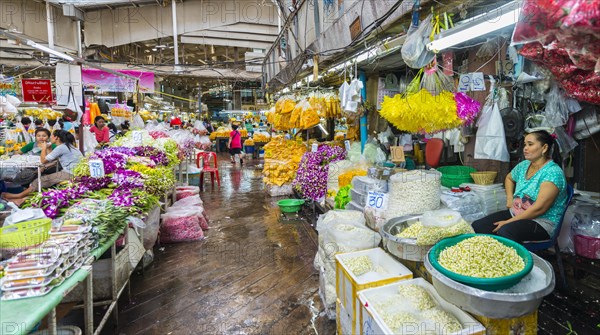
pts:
[421, 112]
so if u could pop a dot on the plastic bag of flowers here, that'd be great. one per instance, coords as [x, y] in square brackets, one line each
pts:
[180, 227]
[187, 202]
[197, 211]
[182, 192]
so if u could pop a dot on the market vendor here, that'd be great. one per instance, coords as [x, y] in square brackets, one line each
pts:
[26, 122]
[100, 130]
[65, 152]
[536, 194]
[27, 175]
[42, 136]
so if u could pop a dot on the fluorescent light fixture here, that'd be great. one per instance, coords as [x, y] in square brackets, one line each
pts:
[497, 19]
[50, 51]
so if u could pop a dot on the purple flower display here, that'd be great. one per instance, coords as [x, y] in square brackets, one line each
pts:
[113, 158]
[157, 156]
[122, 198]
[127, 179]
[311, 178]
[90, 184]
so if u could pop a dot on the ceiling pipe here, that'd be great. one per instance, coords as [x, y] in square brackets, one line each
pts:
[50, 24]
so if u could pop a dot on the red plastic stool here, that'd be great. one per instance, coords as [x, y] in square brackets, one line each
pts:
[208, 167]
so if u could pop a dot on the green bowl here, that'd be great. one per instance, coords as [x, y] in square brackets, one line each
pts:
[290, 205]
[488, 284]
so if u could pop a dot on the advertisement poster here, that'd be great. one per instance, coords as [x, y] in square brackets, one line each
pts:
[37, 90]
[100, 81]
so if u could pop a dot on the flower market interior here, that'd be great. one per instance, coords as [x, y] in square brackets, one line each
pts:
[299, 167]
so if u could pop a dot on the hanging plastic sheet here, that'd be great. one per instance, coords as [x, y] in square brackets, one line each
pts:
[490, 142]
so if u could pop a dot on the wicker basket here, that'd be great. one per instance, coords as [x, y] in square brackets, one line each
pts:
[484, 177]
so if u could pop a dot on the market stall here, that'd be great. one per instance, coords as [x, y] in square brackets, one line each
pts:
[111, 207]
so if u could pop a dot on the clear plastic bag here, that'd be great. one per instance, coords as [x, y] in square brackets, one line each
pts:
[440, 218]
[89, 141]
[414, 51]
[187, 202]
[556, 111]
[183, 192]
[565, 142]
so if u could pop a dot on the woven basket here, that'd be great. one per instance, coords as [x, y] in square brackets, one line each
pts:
[484, 177]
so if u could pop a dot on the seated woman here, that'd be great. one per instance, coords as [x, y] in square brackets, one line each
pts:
[100, 130]
[26, 176]
[65, 152]
[536, 195]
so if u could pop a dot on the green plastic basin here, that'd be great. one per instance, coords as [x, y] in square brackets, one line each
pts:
[290, 205]
[488, 284]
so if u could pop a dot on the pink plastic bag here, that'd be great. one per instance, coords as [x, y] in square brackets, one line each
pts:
[183, 192]
[180, 227]
[188, 202]
[196, 211]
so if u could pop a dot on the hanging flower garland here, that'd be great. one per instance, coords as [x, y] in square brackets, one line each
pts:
[429, 106]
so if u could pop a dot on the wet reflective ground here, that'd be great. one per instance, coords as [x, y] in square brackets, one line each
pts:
[251, 275]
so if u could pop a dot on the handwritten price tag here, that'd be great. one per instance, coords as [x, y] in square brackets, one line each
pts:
[96, 168]
[315, 147]
[377, 200]
[347, 145]
[137, 138]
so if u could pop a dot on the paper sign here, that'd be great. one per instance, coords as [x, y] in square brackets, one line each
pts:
[37, 90]
[315, 147]
[471, 82]
[96, 168]
[397, 154]
[477, 81]
[137, 138]
[464, 83]
[347, 145]
[377, 200]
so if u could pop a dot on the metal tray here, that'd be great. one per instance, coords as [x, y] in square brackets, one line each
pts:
[491, 304]
[403, 248]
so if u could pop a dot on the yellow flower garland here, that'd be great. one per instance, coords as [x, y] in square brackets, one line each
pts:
[421, 112]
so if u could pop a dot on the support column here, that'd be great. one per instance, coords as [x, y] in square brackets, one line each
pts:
[50, 24]
[363, 119]
[175, 43]
[79, 49]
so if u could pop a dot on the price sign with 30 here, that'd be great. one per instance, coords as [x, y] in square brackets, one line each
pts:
[377, 200]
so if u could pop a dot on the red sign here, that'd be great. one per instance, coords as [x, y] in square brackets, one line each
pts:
[37, 90]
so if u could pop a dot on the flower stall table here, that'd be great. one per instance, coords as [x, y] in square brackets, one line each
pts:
[16, 163]
[21, 316]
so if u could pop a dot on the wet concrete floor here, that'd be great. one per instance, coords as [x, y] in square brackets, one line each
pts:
[251, 275]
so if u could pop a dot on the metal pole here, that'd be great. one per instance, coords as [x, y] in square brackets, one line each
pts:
[79, 49]
[50, 24]
[363, 119]
[175, 45]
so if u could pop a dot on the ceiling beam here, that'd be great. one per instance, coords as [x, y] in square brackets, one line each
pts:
[226, 42]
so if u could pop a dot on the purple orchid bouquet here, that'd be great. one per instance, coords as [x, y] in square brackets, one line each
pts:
[311, 178]
[113, 158]
[127, 179]
[157, 156]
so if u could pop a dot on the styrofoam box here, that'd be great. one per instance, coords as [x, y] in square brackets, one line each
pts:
[372, 322]
[364, 184]
[358, 197]
[354, 206]
[347, 284]
[343, 321]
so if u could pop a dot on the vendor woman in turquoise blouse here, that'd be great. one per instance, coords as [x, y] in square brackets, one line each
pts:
[536, 194]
